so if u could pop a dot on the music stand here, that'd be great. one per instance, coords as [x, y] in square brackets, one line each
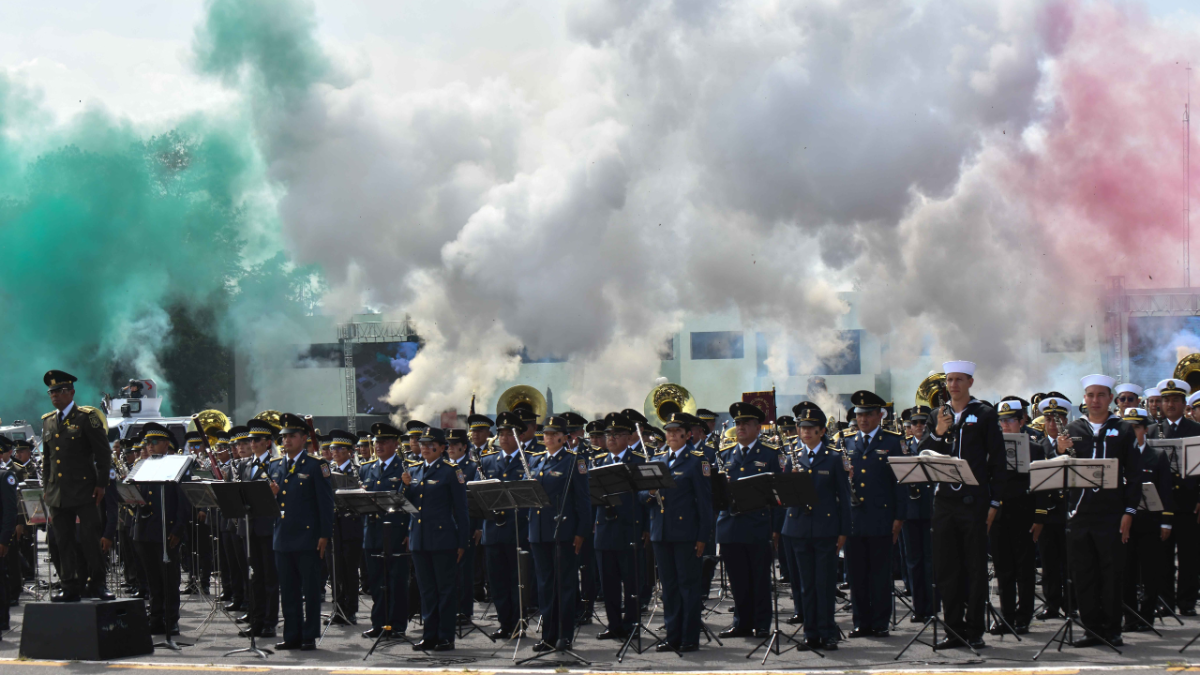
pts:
[202, 496]
[493, 496]
[1064, 473]
[368, 503]
[339, 481]
[246, 499]
[774, 491]
[933, 468]
[610, 482]
[162, 470]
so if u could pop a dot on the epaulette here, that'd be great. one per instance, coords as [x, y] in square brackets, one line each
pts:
[52, 412]
[894, 433]
[770, 445]
[273, 460]
[698, 453]
[847, 433]
[413, 462]
[569, 452]
[638, 454]
[369, 461]
[529, 453]
[489, 453]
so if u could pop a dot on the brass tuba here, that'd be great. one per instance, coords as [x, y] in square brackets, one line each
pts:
[271, 417]
[522, 396]
[211, 421]
[931, 388]
[1188, 370]
[665, 400]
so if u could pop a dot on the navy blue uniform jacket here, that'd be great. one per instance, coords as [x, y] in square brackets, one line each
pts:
[503, 528]
[619, 526]
[564, 474]
[305, 503]
[830, 516]
[686, 513]
[875, 495]
[378, 479]
[755, 527]
[439, 491]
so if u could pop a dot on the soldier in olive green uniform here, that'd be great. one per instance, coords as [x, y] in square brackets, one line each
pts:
[75, 466]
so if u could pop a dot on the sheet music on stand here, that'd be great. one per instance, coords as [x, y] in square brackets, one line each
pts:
[1190, 456]
[32, 506]
[165, 469]
[1016, 452]
[1046, 474]
[1172, 448]
[129, 494]
[1150, 500]
[932, 468]
[367, 502]
[200, 494]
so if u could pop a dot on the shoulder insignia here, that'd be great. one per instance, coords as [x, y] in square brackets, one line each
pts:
[697, 453]
[582, 466]
[772, 446]
[535, 453]
[639, 454]
[49, 414]
[369, 461]
[461, 478]
[413, 462]
[704, 468]
[12, 480]
[489, 453]
[893, 433]
[569, 452]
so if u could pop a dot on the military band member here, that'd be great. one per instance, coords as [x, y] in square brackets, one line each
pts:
[917, 535]
[233, 547]
[414, 429]
[875, 515]
[1127, 396]
[529, 437]
[1011, 534]
[456, 451]
[264, 580]
[1184, 541]
[10, 519]
[348, 534]
[168, 499]
[962, 514]
[1193, 406]
[197, 548]
[589, 572]
[1050, 514]
[302, 531]
[75, 464]
[557, 532]
[746, 539]
[501, 532]
[1151, 527]
[596, 434]
[704, 439]
[680, 518]
[387, 574]
[817, 533]
[363, 447]
[479, 430]
[618, 529]
[438, 537]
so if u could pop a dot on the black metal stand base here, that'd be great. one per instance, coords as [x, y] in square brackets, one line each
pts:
[934, 622]
[576, 659]
[252, 649]
[386, 639]
[635, 635]
[997, 619]
[1065, 633]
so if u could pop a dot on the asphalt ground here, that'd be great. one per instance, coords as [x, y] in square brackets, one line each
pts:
[344, 652]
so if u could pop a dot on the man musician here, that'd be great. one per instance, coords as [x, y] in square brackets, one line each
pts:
[1185, 534]
[969, 429]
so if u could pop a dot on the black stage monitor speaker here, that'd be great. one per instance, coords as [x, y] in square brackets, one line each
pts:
[85, 631]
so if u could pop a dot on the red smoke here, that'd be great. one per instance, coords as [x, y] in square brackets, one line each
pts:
[1106, 183]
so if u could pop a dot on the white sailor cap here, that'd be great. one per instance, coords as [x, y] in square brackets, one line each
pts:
[965, 367]
[1151, 392]
[1191, 400]
[1173, 386]
[1009, 408]
[1097, 380]
[1128, 388]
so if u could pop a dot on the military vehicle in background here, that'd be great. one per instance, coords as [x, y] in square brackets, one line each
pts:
[136, 404]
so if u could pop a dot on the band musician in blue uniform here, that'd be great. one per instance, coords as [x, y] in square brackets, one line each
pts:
[387, 571]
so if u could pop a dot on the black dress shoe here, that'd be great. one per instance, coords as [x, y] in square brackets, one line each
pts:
[859, 633]
[689, 648]
[1187, 611]
[977, 643]
[917, 619]
[760, 633]
[949, 643]
[248, 632]
[1021, 629]
[444, 646]
[612, 634]
[102, 594]
[1048, 614]
[1116, 641]
[266, 632]
[735, 633]
[562, 644]
[64, 596]
[308, 645]
[880, 633]
[795, 620]
[424, 646]
[814, 642]
[234, 607]
[245, 618]
[501, 634]
[831, 645]
[543, 646]
[998, 629]
[337, 620]
[287, 645]
[664, 647]
[373, 633]
[1086, 641]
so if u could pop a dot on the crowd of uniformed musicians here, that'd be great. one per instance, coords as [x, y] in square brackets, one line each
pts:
[861, 526]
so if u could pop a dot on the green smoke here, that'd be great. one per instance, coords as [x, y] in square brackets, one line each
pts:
[132, 253]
